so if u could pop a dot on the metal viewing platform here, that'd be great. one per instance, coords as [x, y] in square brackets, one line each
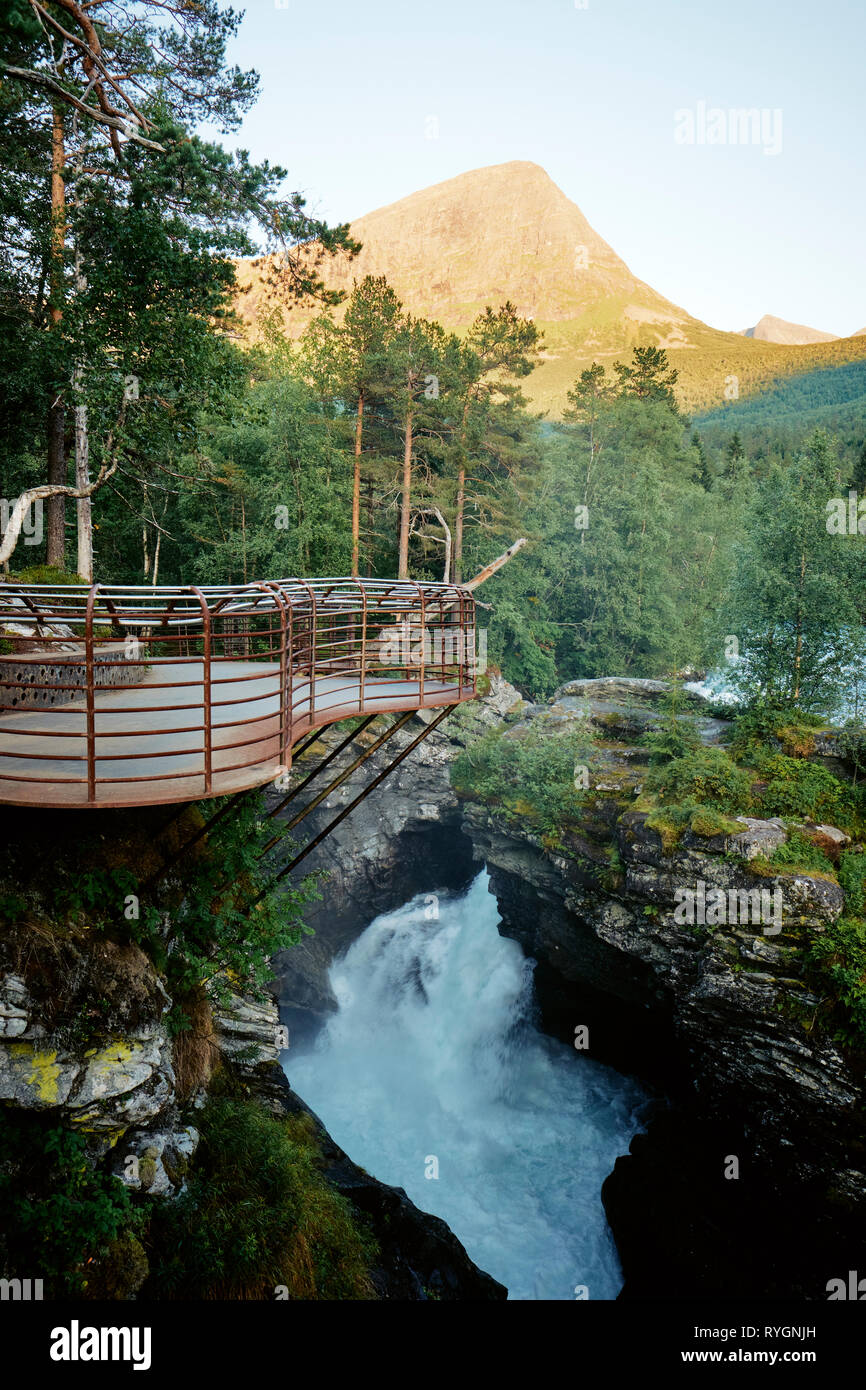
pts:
[118, 696]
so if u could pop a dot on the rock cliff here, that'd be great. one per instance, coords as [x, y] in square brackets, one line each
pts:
[719, 1018]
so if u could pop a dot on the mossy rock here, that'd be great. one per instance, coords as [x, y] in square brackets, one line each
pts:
[120, 1272]
[666, 828]
[46, 574]
[147, 1168]
[709, 823]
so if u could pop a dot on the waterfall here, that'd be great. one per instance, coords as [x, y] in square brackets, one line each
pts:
[433, 1077]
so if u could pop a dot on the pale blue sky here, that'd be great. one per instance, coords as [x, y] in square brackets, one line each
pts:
[727, 231]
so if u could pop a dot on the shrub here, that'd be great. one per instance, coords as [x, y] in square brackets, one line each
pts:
[61, 1215]
[852, 747]
[838, 958]
[765, 727]
[531, 774]
[257, 1214]
[706, 776]
[202, 921]
[675, 740]
[852, 876]
[800, 789]
[802, 853]
[46, 574]
[708, 822]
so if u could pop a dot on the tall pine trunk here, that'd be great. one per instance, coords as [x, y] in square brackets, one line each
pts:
[55, 507]
[406, 501]
[458, 524]
[83, 505]
[457, 572]
[356, 488]
[798, 647]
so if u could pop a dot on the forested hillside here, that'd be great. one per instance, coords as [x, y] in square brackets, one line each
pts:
[779, 417]
[163, 446]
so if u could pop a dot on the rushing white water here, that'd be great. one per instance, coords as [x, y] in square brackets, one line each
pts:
[850, 708]
[433, 1056]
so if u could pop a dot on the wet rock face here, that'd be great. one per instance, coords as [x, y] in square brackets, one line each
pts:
[730, 998]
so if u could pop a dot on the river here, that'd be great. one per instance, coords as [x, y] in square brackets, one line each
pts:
[433, 1076]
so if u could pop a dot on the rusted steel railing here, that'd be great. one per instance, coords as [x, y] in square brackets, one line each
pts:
[115, 695]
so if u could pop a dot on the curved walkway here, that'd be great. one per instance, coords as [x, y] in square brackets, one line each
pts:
[192, 727]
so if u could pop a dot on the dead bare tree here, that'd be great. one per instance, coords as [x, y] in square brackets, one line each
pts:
[48, 490]
[438, 540]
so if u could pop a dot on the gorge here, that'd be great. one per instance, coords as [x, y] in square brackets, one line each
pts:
[712, 1025]
[498, 1023]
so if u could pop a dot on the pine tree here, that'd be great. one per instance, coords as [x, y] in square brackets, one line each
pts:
[703, 470]
[416, 360]
[648, 377]
[370, 325]
[500, 349]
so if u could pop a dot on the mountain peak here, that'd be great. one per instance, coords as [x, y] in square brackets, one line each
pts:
[769, 329]
[504, 231]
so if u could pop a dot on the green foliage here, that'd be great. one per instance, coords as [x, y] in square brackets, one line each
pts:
[274, 497]
[648, 376]
[218, 928]
[706, 776]
[800, 789]
[838, 958]
[676, 739]
[525, 646]
[852, 747]
[707, 821]
[677, 736]
[201, 922]
[257, 1214]
[670, 821]
[778, 417]
[530, 773]
[795, 602]
[45, 574]
[762, 727]
[800, 852]
[852, 876]
[632, 588]
[60, 1212]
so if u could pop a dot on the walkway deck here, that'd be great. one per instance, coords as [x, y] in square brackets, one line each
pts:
[205, 725]
[46, 746]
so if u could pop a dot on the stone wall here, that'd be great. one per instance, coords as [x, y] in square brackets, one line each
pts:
[22, 675]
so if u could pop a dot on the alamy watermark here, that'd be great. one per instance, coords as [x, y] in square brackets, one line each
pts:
[77, 1343]
[721, 907]
[32, 523]
[847, 516]
[406, 644]
[738, 125]
[21, 1290]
